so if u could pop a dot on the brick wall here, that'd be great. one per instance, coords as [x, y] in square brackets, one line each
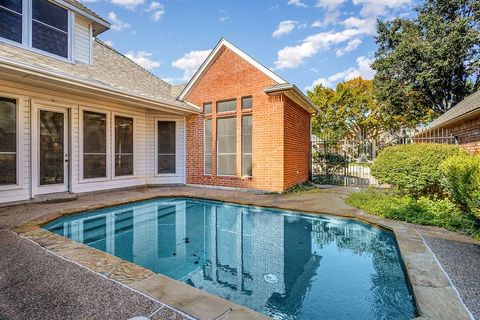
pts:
[467, 133]
[297, 144]
[229, 77]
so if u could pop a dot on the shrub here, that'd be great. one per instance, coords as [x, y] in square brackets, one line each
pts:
[414, 168]
[424, 210]
[461, 180]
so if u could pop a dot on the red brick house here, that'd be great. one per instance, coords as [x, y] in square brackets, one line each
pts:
[254, 130]
[77, 116]
[461, 122]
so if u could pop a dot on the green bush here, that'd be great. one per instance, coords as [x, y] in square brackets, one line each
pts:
[424, 210]
[461, 180]
[413, 168]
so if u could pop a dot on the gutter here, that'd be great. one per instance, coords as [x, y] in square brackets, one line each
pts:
[22, 67]
[293, 88]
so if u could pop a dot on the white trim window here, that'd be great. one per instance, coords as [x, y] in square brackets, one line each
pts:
[227, 146]
[247, 145]
[8, 141]
[166, 146]
[124, 160]
[38, 25]
[208, 147]
[94, 144]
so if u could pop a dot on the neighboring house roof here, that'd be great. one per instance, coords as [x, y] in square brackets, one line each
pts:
[99, 24]
[465, 108]
[110, 71]
[303, 99]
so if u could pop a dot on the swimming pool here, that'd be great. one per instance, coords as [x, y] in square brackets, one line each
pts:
[287, 265]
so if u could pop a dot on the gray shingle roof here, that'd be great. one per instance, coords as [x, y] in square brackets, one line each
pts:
[110, 69]
[468, 105]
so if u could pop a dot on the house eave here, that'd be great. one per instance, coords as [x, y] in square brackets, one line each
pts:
[25, 71]
[292, 91]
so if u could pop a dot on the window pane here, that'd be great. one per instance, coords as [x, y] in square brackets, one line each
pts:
[226, 146]
[8, 125]
[247, 145]
[14, 5]
[94, 132]
[50, 14]
[10, 25]
[208, 146]
[246, 102]
[123, 146]
[207, 108]
[230, 105]
[123, 165]
[50, 40]
[166, 146]
[51, 147]
[94, 166]
[8, 169]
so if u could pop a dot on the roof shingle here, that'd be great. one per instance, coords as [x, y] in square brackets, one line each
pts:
[469, 104]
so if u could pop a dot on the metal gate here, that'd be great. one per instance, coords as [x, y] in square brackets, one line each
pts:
[343, 162]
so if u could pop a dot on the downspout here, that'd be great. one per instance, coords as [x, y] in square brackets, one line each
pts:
[30, 161]
[310, 152]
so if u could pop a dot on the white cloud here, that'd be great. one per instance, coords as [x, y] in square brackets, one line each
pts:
[368, 25]
[379, 7]
[157, 9]
[88, 1]
[190, 62]
[297, 3]
[284, 27]
[108, 43]
[116, 23]
[128, 4]
[362, 69]
[351, 45]
[329, 5]
[223, 19]
[294, 56]
[143, 58]
[331, 17]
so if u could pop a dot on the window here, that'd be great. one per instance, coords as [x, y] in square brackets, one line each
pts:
[230, 105]
[8, 141]
[207, 107]
[208, 146]
[123, 146]
[227, 146]
[49, 27]
[166, 147]
[246, 103]
[94, 145]
[247, 146]
[11, 20]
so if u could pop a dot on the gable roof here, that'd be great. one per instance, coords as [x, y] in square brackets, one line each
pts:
[214, 54]
[469, 105]
[110, 71]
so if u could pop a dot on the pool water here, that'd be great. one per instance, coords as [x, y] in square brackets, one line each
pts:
[284, 264]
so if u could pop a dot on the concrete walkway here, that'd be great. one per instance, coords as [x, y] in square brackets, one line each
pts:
[38, 284]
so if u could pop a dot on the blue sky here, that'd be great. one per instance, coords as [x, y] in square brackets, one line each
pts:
[304, 41]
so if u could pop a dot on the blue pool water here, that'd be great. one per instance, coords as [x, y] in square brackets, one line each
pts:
[286, 265]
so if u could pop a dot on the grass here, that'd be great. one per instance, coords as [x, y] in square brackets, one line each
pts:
[425, 211]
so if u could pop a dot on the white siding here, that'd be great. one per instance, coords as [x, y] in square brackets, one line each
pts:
[153, 177]
[82, 40]
[144, 142]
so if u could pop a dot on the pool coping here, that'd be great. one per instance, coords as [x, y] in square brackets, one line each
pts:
[435, 297]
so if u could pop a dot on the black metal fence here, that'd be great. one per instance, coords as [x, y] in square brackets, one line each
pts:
[348, 161]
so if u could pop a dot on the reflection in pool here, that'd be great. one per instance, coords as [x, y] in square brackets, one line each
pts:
[283, 264]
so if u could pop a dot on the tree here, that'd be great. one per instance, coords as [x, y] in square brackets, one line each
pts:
[350, 110]
[428, 64]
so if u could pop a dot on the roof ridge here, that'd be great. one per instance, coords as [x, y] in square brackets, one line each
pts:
[121, 54]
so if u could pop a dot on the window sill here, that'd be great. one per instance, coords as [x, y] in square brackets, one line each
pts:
[124, 177]
[8, 187]
[93, 180]
[160, 175]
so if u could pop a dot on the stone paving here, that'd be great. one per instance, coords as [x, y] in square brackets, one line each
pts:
[434, 294]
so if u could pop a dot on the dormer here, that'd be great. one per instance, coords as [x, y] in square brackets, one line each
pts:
[59, 29]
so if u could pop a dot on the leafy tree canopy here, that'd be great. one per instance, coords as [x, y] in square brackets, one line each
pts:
[350, 110]
[428, 64]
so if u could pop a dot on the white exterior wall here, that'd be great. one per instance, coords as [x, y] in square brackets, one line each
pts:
[82, 40]
[144, 142]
